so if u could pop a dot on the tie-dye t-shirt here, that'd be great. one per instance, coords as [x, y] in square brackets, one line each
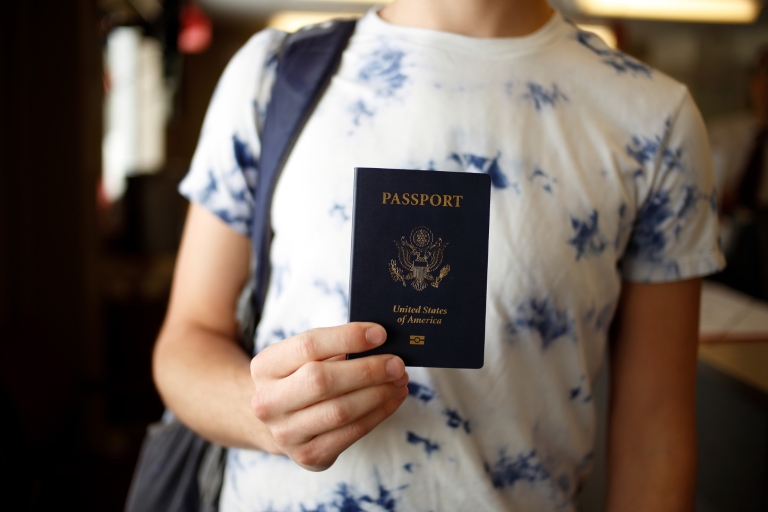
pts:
[600, 173]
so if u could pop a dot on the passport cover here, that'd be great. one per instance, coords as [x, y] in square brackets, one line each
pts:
[420, 263]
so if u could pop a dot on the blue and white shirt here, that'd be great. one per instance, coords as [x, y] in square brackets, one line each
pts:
[601, 173]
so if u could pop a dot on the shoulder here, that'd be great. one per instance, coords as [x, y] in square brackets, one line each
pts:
[614, 84]
[245, 85]
[223, 171]
[260, 50]
[257, 58]
[252, 60]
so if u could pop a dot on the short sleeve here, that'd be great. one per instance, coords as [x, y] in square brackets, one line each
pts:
[222, 177]
[675, 231]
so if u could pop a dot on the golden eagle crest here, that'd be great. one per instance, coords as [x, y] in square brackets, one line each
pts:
[420, 256]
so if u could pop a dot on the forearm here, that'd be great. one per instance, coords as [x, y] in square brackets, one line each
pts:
[651, 468]
[204, 378]
[652, 420]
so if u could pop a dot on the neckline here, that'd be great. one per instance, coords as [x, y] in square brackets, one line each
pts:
[372, 24]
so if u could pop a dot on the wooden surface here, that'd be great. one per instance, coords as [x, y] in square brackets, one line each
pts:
[745, 361]
[734, 334]
[728, 316]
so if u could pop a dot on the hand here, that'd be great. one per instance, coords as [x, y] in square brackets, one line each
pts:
[316, 403]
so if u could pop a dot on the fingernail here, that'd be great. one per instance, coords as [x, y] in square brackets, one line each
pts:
[395, 367]
[376, 335]
[402, 381]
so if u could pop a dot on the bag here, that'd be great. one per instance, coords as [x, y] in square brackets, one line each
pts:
[166, 476]
[177, 470]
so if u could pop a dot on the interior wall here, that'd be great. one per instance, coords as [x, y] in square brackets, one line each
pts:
[50, 117]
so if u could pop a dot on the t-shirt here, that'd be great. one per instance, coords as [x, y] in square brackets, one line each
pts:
[600, 173]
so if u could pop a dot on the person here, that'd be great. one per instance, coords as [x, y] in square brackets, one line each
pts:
[740, 157]
[601, 227]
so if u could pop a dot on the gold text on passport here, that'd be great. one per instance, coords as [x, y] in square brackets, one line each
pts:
[410, 319]
[415, 199]
[397, 308]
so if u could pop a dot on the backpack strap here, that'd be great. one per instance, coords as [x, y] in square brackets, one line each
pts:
[308, 60]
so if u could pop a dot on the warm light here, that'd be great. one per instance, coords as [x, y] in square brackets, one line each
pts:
[605, 33]
[291, 21]
[371, 2]
[712, 11]
[196, 30]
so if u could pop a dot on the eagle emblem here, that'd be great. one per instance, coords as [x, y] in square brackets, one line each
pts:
[420, 256]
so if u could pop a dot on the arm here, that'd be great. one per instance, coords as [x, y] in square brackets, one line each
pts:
[297, 397]
[199, 369]
[651, 430]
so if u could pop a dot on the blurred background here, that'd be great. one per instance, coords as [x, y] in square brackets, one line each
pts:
[101, 104]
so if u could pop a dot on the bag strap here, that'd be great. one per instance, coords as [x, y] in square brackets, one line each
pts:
[305, 66]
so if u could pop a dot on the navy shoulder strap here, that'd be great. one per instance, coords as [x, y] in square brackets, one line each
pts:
[305, 66]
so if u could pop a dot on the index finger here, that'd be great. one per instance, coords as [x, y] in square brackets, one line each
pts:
[285, 357]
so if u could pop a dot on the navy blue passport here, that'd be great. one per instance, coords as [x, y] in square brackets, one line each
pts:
[420, 263]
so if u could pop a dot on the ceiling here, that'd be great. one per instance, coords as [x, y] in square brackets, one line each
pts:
[261, 8]
[267, 7]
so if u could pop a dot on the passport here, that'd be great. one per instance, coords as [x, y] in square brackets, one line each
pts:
[420, 263]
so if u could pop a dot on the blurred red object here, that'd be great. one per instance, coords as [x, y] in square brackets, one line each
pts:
[196, 31]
